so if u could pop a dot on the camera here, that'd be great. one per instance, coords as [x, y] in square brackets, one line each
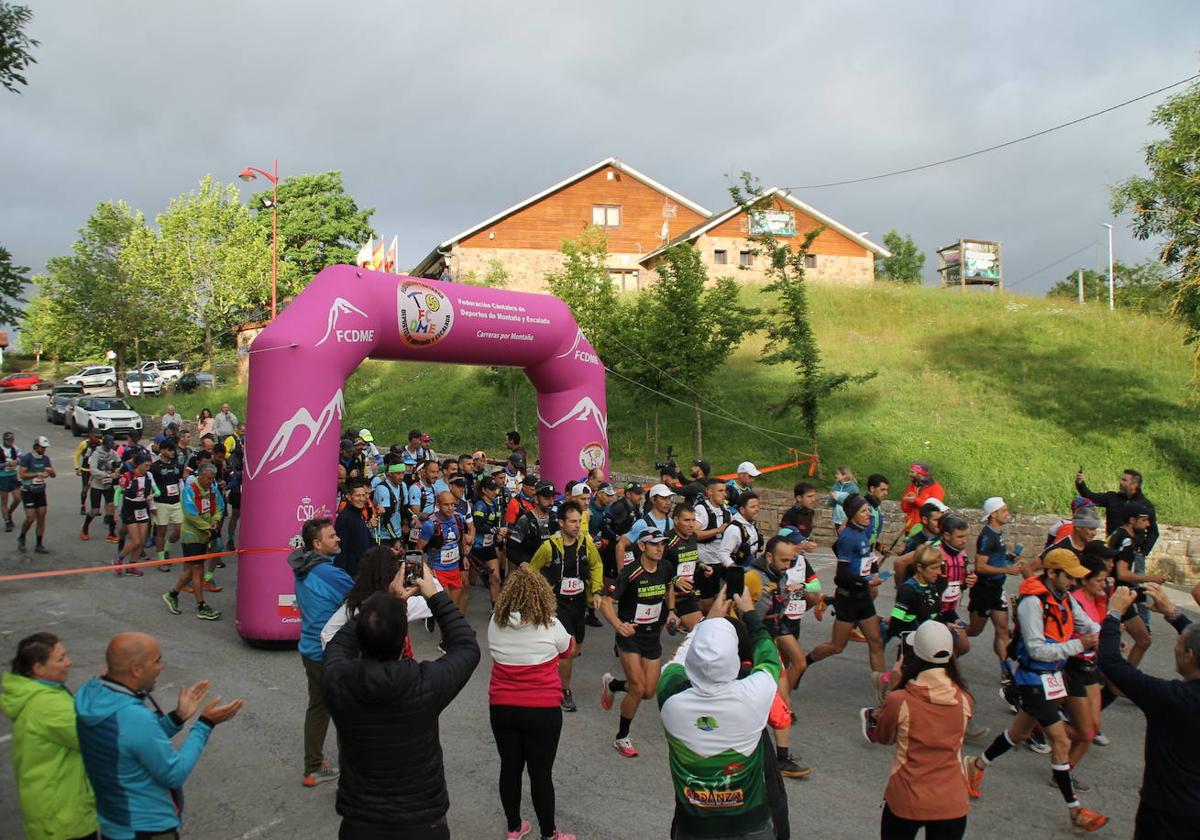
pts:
[669, 467]
[414, 567]
[1142, 596]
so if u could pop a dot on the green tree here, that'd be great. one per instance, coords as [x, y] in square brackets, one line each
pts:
[678, 333]
[790, 338]
[496, 277]
[907, 262]
[12, 287]
[44, 325]
[584, 285]
[208, 259]
[16, 48]
[1166, 204]
[320, 225]
[1144, 287]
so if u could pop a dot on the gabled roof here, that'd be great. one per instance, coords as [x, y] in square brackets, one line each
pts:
[708, 224]
[616, 163]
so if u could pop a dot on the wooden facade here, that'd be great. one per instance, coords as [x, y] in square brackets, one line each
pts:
[829, 242]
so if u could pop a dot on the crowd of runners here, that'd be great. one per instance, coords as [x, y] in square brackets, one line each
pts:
[670, 558]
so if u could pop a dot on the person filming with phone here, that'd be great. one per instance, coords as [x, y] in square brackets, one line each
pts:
[386, 708]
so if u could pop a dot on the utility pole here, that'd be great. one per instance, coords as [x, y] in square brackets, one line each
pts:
[1110, 267]
[1080, 273]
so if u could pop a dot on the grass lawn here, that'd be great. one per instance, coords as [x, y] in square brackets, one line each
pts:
[1002, 395]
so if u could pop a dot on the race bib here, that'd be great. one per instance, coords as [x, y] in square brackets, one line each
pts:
[1053, 686]
[647, 613]
[141, 514]
[488, 539]
[796, 606]
[686, 570]
[951, 596]
[627, 559]
[450, 553]
[866, 566]
[570, 586]
[38, 482]
[173, 489]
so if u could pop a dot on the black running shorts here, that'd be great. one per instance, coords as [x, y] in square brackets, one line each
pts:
[572, 613]
[987, 598]
[853, 605]
[1031, 700]
[646, 644]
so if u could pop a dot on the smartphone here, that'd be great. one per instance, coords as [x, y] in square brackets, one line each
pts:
[735, 581]
[885, 575]
[414, 567]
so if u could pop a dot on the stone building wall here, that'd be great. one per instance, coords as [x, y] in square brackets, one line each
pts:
[832, 269]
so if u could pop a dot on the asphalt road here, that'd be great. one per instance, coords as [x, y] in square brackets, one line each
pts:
[248, 782]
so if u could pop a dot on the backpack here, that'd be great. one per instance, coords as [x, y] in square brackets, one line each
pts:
[745, 552]
[437, 539]
[716, 519]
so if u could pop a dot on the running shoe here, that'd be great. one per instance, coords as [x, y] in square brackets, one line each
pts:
[20, 543]
[568, 702]
[1038, 744]
[83, 535]
[625, 747]
[82, 510]
[40, 549]
[430, 625]
[188, 588]
[171, 599]
[220, 562]
[974, 775]
[880, 687]
[117, 570]
[212, 586]
[207, 613]
[520, 832]
[112, 538]
[165, 567]
[558, 835]
[1101, 740]
[606, 696]
[1085, 821]
[8, 524]
[976, 733]
[592, 620]
[789, 769]
[869, 724]
[135, 572]
[325, 774]
[819, 609]
[856, 635]
[1008, 693]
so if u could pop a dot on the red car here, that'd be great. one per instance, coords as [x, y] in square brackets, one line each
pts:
[22, 382]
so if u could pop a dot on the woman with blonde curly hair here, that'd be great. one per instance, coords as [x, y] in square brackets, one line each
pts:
[527, 641]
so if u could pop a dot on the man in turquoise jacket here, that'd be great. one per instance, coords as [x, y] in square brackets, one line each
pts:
[135, 770]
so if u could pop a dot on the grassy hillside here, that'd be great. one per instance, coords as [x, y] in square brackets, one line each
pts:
[1000, 394]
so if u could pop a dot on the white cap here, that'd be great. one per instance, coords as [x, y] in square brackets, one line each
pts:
[748, 468]
[42, 441]
[661, 490]
[933, 642]
[992, 505]
[937, 503]
[580, 489]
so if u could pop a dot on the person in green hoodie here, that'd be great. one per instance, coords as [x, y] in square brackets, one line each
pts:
[56, 798]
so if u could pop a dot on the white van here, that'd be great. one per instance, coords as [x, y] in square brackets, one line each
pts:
[94, 377]
[168, 370]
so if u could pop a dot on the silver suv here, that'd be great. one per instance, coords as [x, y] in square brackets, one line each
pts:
[94, 377]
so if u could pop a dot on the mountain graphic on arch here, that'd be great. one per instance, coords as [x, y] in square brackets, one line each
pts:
[306, 429]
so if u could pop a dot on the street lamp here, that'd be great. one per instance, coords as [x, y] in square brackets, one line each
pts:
[1110, 267]
[248, 174]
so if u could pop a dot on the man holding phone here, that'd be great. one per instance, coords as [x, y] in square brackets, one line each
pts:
[637, 606]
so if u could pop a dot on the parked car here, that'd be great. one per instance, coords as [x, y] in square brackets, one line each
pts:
[137, 384]
[22, 382]
[168, 369]
[108, 415]
[191, 381]
[64, 388]
[94, 377]
[56, 410]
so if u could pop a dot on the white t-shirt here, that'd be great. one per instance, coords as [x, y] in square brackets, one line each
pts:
[418, 610]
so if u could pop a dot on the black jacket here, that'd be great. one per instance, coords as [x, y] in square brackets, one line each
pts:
[1171, 780]
[1113, 503]
[356, 538]
[387, 719]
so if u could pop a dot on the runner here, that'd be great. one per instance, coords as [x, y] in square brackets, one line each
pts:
[1047, 622]
[235, 446]
[957, 578]
[443, 538]
[658, 516]
[202, 506]
[742, 542]
[778, 583]
[489, 534]
[682, 554]
[921, 489]
[521, 500]
[855, 579]
[533, 527]
[137, 510]
[637, 606]
[712, 519]
[802, 513]
[993, 564]
[422, 496]
[82, 453]
[927, 531]
[1080, 673]
[168, 488]
[1127, 540]
[571, 565]
[741, 483]
[877, 490]
[33, 468]
[1084, 523]
[391, 500]
[104, 468]
[10, 484]
[844, 485]
[919, 599]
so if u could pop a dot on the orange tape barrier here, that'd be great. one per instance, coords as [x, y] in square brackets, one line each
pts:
[810, 459]
[139, 564]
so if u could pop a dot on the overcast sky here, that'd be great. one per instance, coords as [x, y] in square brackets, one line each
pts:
[440, 115]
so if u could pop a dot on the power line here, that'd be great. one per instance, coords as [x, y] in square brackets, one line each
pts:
[1051, 265]
[1003, 145]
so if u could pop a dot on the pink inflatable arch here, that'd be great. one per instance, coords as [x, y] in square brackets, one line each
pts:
[299, 364]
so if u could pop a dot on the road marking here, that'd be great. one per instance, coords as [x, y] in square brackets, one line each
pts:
[4, 738]
[262, 829]
[38, 396]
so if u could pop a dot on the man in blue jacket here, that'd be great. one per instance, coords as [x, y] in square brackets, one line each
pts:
[321, 587]
[135, 771]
